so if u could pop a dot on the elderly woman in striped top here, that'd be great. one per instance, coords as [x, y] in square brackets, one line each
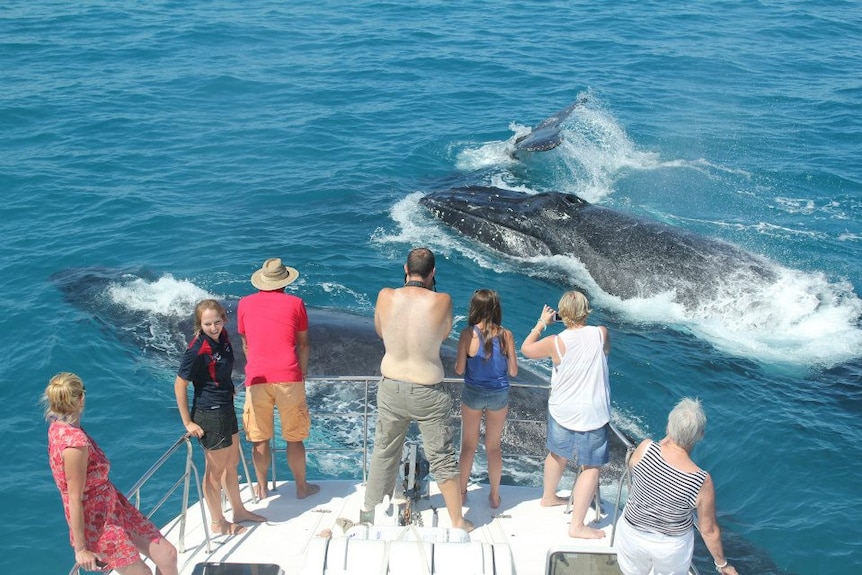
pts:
[656, 529]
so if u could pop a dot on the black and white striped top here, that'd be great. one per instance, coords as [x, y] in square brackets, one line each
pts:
[663, 498]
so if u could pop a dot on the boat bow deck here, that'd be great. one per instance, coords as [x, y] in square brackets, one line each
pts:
[313, 535]
[318, 535]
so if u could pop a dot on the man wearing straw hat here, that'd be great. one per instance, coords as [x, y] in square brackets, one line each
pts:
[273, 326]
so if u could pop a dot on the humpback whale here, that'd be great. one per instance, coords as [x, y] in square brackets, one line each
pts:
[627, 256]
[342, 343]
[347, 342]
[546, 135]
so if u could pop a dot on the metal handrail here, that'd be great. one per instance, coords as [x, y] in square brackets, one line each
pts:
[134, 494]
[190, 468]
[624, 478]
[366, 380]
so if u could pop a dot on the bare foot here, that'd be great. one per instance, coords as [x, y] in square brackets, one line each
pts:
[586, 533]
[310, 489]
[557, 500]
[466, 525]
[246, 515]
[260, 491]
[225, 527]
[494, 500]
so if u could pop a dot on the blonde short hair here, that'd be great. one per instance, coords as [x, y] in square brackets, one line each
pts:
[62, 397]
[574, 308]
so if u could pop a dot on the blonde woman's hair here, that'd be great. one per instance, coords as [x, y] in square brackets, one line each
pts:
[574, 308]
[62, 398]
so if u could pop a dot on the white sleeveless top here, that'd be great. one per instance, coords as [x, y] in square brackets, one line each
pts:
[580, 397]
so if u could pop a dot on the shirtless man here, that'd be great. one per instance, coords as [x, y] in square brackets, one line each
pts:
[414, 321]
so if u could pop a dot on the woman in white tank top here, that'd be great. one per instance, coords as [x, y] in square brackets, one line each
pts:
[579, 406]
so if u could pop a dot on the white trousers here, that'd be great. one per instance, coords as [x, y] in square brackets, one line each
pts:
[639, 551]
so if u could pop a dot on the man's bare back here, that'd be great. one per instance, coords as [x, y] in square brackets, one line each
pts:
[413, 322]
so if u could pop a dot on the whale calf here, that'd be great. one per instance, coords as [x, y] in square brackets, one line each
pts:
[627, 256]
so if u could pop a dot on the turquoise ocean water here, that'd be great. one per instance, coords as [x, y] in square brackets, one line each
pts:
[190, 141]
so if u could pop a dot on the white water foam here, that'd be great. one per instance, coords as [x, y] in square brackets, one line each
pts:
[801, 318]
[339, 290]
[159, 304]
[164, 296]
[594, 151]
[472, 157]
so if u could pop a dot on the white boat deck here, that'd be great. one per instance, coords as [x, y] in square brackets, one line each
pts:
[319, 535]
[308, 536]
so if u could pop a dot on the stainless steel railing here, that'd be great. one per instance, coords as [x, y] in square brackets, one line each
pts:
[624, 479]
[184, 481]
[356, 380]
[364, 414]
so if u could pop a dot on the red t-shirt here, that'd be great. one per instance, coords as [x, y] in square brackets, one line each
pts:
[270, 320]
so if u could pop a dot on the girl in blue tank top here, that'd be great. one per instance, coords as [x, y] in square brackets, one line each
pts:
[486, 357]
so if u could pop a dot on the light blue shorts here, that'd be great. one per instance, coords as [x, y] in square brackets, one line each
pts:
[589, 447]
[480, 398]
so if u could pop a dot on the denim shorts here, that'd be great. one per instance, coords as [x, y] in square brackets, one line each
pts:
[480, 398]
[589, 447]
[219, 427]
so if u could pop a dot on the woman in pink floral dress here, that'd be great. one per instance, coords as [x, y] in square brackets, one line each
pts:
[106, 531]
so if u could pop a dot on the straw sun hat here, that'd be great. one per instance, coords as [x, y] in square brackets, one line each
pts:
[273, 275]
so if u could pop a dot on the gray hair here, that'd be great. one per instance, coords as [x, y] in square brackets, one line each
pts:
[686, 422]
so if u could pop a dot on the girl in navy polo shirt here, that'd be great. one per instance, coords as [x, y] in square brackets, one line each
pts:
[208, 363]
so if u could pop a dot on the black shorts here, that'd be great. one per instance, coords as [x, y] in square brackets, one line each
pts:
[219, 427]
